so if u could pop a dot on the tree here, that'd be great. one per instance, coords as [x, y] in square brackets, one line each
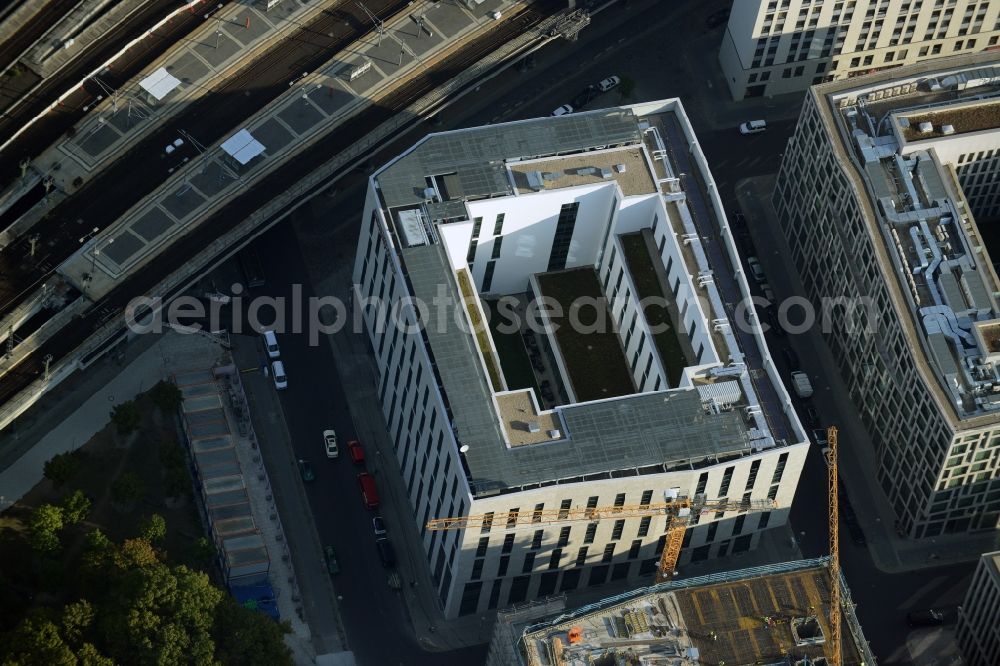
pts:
[36, 640]
[61, 467]
[96, 548]
[76, 620]
[134, 554]
[203, 550]
[76, 507]
[126, 417]
[246, 637]
[127, 489]
[171, 454]
[44, 527]
[167, 397]
[154, 529]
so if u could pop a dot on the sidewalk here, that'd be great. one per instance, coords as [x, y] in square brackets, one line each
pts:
[890, 553]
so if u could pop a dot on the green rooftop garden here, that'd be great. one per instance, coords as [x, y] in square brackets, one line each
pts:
[514, 359]
[471, 301]
[640, 266]
[593, 357]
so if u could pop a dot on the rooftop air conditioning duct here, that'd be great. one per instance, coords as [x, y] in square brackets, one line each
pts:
[554, 434]
[926, 127]
[947, 129]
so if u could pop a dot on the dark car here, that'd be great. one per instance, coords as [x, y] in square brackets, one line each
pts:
[925, 618]
[589, 93]
[386, 552]
[306, 470]
[331, 560]
[811, 416]
[775, 323]
[715, 19]
[791, 358]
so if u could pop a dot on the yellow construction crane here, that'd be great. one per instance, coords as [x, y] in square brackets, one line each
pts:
[678, 512]
[833, 499]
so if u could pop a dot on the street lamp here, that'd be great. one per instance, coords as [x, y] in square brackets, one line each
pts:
[97, 250]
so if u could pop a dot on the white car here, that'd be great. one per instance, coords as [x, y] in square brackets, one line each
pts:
[271, 344]
[278, 372]
[563, 110]
[753, 127]
[330, 442]
[609, 83]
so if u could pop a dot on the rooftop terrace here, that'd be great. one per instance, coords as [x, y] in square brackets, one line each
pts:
[593, 356]
[963, 119]
[626, 166]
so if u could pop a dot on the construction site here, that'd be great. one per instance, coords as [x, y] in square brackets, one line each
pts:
[778, 614]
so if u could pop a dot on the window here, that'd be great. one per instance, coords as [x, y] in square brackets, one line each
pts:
[869, 59]
[512, 517]
[484, 544]
[536, 516]
[738, 525]
[779, 469]
[536, 539]
[591, 531]
[799, 70]
[644, 526]
[591, 505]
[620, 499]
[555, 558]
[570, 580]
[597, 576]
[752, 478]
[713, 528]
[786, 73]
[488, 275]
[502, 568]
[820, 67]
[890, 56]
[508, 544]
[470, 598]
[470, 258]
[702, 482]
[563, 536]
[633, 551]
[495, 594]
[923, 51]
[581, 556]
[616, 533]
[936, 49]
[609, 553]
[518, 589]
[765, 76]
[620, 571]
[647, 497]
[498, 227]
[564, 233]
[727, 478]
[529, 563]
[477, 569]
[477, 223]
[487, 523]
[855, 62]
[497, 245]
[564, 509]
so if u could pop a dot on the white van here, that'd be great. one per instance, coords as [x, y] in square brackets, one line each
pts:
[753, 127]
[280, 379]
[271, 344]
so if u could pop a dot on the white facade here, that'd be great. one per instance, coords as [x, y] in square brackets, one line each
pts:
[772, 47]
[855, 223]
[978, 630]
[477, 570]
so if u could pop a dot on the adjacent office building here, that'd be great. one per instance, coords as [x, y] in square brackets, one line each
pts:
[870, 198]
[778, 614]
[779, 46]
[978, 630]
[569, 343]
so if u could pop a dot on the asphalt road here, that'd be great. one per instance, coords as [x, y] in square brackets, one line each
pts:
[373, 614]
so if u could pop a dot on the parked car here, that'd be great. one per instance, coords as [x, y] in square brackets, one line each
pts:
[589, 93]
[819, 436]
[753, 127]
[369, 492]
[379, 526]
[331, 560]
[306, 470]
[271, 344]
[356, 452]
[609, 83]
[768, 292]
[278, 372]
[791, 358]
[715, 19]
[563, 110]
[330, 443]
[756, 270]
[925, 618]
[386, 552]
[774, 322]
[811, 416]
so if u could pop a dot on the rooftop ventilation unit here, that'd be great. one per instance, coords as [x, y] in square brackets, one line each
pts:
[621, 168]
[926, 127]
[606, 173]
[947, 129]
[554, 434]
[533, 426]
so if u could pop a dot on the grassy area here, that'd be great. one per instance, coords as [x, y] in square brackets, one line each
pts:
[512, 354]
[971, 119]
[471, 300]
[30, 581]
[593, 356]
[640, 266]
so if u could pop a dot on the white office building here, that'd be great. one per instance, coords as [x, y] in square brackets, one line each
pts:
[871, 202]
[779, 46]
[978, 629]
[573, 396]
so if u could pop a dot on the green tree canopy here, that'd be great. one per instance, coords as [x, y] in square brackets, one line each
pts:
[167, 396]
[246, 637]
[44, 526]
[36, 640]
[127, 489]
[76, 507]
[62, 467]
[154, 529]
[126, 417]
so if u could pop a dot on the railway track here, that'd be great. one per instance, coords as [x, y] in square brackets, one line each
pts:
[337, 140]
[103, 200]
[27, 96]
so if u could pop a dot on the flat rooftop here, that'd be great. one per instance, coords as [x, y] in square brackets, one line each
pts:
[946, 285]
[965, 118]
[776, 614]
[522, 420]
[594, 359]
[626, 166]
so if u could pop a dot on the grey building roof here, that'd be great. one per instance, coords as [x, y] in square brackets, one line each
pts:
[476, 157]
[630, 432]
